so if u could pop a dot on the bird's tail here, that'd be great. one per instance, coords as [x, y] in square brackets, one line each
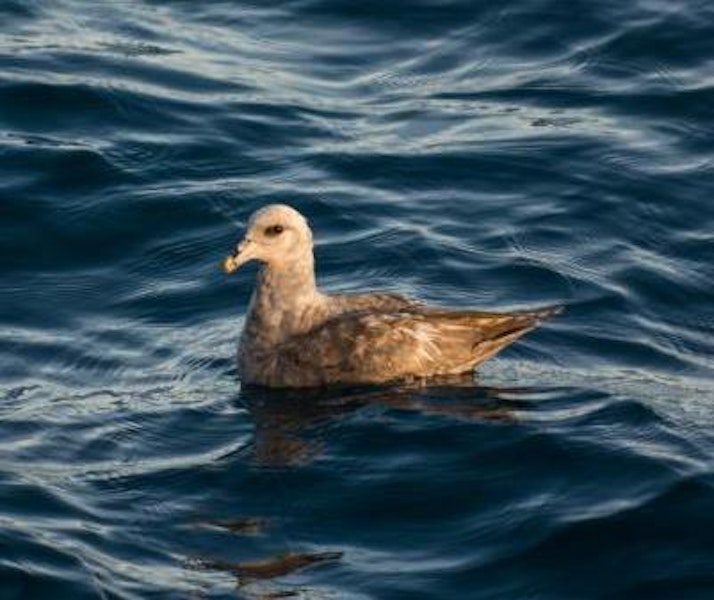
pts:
[502, 329]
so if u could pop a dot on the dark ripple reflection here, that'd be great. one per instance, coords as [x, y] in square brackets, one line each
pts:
[502, 155]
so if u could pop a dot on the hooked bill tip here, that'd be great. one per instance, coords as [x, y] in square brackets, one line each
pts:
[229, 265]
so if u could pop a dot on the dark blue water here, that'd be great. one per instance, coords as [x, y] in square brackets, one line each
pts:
[498, 155]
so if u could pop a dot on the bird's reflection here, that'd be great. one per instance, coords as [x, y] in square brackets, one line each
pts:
[255, 579]
[290, 425]
[291, 429]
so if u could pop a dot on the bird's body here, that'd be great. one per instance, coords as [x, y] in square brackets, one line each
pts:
[297, 336]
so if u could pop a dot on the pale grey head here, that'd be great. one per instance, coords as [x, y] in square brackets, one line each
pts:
[277, 235]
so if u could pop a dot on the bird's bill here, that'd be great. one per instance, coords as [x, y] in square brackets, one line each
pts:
[245, 252]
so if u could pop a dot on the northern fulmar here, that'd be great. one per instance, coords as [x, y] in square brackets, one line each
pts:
[297, 336]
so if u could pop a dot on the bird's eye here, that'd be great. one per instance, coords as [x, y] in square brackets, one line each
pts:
[273, 230]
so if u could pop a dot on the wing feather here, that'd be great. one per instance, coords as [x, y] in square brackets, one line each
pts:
[380, 347]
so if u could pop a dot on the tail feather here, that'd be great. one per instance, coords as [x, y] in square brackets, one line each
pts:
[484, 335]
[504, 334]
[508, 325]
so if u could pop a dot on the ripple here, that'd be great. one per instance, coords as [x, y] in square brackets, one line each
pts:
[466, 155]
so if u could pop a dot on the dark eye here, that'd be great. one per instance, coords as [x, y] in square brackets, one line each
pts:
[273, 230]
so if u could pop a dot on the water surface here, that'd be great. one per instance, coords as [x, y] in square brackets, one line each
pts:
[465, 153]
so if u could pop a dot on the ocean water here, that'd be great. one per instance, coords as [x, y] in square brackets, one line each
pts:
[494, 155]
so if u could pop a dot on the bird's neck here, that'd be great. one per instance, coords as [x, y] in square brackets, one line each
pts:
[286, 301]
[287, 283]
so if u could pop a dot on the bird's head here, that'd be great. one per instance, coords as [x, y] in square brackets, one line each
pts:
[276, 235]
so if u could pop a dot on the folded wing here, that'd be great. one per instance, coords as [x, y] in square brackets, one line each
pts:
[382, 347]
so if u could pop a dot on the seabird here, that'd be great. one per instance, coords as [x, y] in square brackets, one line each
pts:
[298, 336]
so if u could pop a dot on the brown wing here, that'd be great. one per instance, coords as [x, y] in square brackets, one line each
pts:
[381, 347]
[379, 302]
